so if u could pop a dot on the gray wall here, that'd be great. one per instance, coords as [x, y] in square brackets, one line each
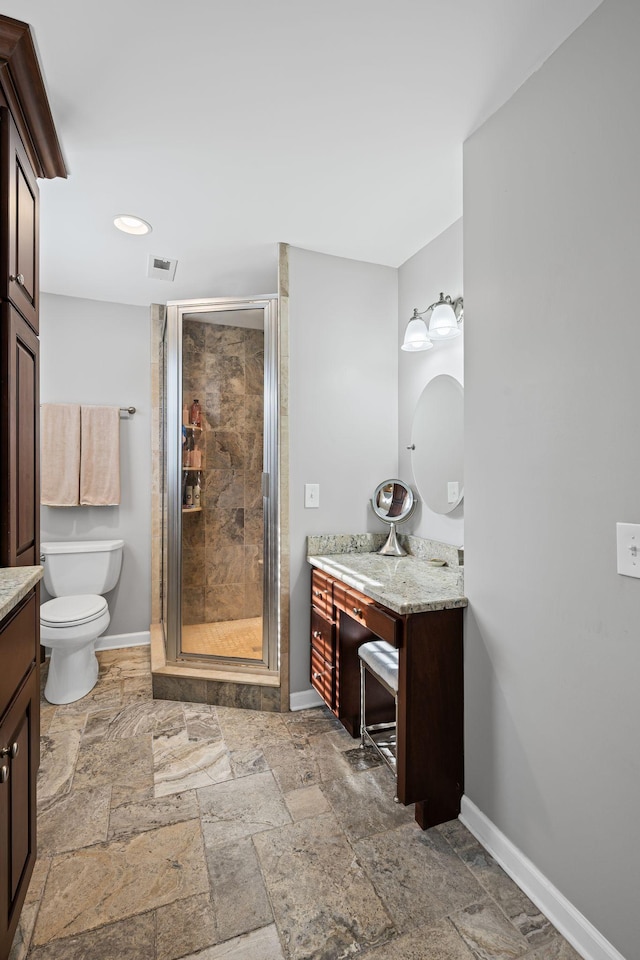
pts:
[99, 353]
[435, 268]
[552, 243]
[343, 409]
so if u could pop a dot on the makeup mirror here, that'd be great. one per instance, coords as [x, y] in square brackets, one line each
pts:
[393, 502]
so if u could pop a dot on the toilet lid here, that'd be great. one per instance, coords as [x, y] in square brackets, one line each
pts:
[67, 611]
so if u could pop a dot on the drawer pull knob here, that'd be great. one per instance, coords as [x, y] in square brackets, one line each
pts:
[18, 278]
[317, 634]
[11, 752]
[4, 774]
[318, 593]
[357, 611]
[317, 676]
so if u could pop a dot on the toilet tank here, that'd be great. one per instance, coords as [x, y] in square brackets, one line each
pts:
[82, 566]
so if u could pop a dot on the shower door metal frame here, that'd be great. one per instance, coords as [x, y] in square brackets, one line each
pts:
[176, 311]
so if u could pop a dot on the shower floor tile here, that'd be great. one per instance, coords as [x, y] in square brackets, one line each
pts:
[180, 831]
[228, 638]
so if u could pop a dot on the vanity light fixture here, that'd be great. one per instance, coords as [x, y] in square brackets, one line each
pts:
[444, 324]
[130, 224]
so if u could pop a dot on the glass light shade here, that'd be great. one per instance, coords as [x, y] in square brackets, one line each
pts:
[443, 324]
[416, 336]
[130, 224]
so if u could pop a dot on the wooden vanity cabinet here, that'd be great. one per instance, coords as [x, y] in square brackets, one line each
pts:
[430, 758]
[19, 759]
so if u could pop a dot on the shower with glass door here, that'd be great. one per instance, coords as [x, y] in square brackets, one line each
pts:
[220, 512]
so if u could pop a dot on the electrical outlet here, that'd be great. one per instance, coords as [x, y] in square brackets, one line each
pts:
[311, 495]
[453, 491]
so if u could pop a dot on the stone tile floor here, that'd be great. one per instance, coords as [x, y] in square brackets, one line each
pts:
[179, 830]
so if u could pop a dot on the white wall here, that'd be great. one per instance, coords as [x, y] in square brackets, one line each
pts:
[551, 251]
[99, 353]
[434, 269]
[343, 409]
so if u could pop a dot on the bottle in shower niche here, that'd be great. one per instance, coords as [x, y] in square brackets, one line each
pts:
[197, 492]
[188, 497]
[195, 414]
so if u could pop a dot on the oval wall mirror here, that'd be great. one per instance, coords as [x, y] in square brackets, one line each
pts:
[393, 502]
[437, 437]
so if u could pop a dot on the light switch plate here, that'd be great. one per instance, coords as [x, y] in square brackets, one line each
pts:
[453, 491]
[311, 495]
[628, 549]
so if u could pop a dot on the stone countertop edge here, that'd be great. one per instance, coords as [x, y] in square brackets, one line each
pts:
[15, 583]
[403, 584]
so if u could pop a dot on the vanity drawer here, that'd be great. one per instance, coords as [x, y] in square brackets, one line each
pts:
[18, 640]
[366, 611]
[323, 636]
[322, 592]
[323, 677]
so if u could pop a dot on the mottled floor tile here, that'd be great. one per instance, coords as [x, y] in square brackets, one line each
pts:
[184, 927]
[324, 904]
[125, 764]
[310, 723]
[306, 802]
[524, 914]
[239, 808]
[363, 803]
[128, 819]
[38, 879]
[201, 722]
[106, 693]
[24, 931]
[237, 889]
[262, 944]
[362, 758]
[248, 729]
[132, 939]
[557, 949]
[292, 765]
[488, 933]
[58, 755]
[417, 875]
[111, 881]
[76, 819]
[181, 764]
[137, 688]
[134, 720]
[331, 763]
[455, 832]
[245, 763]
[63, 720]
[439, 941]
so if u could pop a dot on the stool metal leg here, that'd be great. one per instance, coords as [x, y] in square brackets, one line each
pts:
[363, 721]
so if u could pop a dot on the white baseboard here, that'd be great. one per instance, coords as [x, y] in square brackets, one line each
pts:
[305, 699]
[119, 640]
[572, 924]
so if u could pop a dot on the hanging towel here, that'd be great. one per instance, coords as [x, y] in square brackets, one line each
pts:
[60, 454]
[100, 456]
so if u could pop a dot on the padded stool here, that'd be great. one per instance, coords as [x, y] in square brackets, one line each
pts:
[380, 659]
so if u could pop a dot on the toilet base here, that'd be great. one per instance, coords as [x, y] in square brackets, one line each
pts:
[72, 673]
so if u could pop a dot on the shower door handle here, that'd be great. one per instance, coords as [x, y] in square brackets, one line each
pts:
[265, 484]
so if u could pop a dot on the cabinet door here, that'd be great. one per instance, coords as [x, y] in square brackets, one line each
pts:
[18, 771]
[19, 442]
[20, 211]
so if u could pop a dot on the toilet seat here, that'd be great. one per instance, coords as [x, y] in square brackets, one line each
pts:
[72, 611]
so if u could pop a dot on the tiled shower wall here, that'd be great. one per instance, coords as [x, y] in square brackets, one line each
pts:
[223, 367]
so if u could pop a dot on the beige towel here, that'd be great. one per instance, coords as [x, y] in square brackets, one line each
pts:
[60, 454]
[100, 456]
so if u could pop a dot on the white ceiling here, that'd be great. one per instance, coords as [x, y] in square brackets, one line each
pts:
[335, 125]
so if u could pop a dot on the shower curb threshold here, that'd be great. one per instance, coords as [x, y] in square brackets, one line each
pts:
[160, 667]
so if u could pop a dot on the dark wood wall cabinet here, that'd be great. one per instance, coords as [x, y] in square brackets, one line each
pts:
[29, 149]
[430, 763]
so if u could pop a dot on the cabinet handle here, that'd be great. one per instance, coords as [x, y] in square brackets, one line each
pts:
[18, 277]
[316, 676]
[318, 593]
[357, 611]
[317, 634]
[11, 752]
[4, 774]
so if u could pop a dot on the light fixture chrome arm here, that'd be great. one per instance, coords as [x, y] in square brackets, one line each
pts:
[444, 323]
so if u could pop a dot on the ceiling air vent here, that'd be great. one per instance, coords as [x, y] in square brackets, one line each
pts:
[161, 269]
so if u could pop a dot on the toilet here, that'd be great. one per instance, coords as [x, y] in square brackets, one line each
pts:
[76, 574]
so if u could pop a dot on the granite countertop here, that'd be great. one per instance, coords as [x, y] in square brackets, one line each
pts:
[403, 584]
[15, 583]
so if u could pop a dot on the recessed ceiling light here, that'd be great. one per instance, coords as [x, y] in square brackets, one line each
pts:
[130, 224]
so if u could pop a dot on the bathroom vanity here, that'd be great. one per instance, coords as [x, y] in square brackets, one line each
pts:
[19, 740]
[416, 607]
